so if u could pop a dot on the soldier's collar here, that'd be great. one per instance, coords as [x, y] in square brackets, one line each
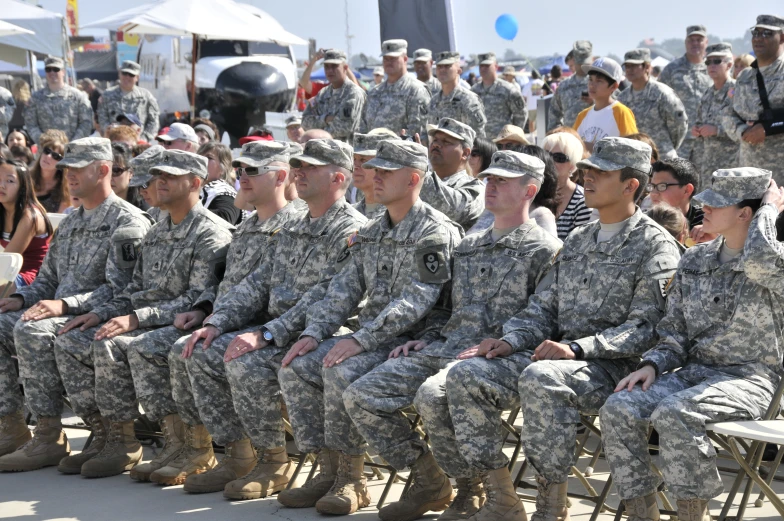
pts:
[616, 243]
[180, 231]
[410, 222]
[99, 215]
[513, 239]
[317, 228]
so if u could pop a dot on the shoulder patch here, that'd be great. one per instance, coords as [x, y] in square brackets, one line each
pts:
[664, 286]
[432, 264]
[352, 240]
[731, 92]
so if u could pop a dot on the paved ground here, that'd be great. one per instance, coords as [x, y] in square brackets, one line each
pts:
[49, 495]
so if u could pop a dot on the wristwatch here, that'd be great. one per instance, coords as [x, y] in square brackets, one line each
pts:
[577, 350]
[266, 334]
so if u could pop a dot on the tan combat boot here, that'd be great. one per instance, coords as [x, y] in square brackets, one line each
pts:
[551, 501]
[502, 503]
[100, 431]
[688, 509]
[642, 508]
[13, 432]
[240, 458]
[173, 441]
[271, 474]
[429, 490]
[349, 492]
[313, 489]
[194, 458]
[469, 499]
[121, 452]
[46, 448]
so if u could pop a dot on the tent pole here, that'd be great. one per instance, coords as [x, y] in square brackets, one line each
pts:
[194, 57]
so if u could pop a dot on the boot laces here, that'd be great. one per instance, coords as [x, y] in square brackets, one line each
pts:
[113, 439]
[465, 489]
[542, 497]
[417, 483]
[224, 461]
[186, 451]
[342, 484]
[321, 475]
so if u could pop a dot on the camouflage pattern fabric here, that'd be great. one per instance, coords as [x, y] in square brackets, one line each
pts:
[660, 113]
[719, 151]
[461, 105]
[433, 85]
[503, 104]
[344, 105]
[689, 81]
[460, 196]
[68, 110]
[7, 107]
[114, 102]
[397, 106]
[567, 102]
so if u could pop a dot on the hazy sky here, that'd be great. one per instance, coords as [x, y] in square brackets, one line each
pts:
[546, 27]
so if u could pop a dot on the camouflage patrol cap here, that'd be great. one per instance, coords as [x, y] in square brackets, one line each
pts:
[293, 120]
[262, 153]
[180, 162]
[582, 51]
[321, 152]
[394, 48]
[54, 61]
[696, 29]
[81, 152]
[733, 185]
[447, 58]
[637, 56]
[367, 144]
[131, 67]
[507, 163]
[487, 58]
[423, 55]
[769, 21]
[378, 71]
[295, 149]
[723, 49]
[454, 128]
[142, 163]
[334, 56]
[397, 154]
[615, 153]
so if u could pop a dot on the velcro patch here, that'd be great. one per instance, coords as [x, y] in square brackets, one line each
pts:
[128, 253]
[432, 265]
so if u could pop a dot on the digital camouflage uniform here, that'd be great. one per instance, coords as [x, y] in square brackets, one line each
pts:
[397, 106]
[503, 104]
[433, 85]
[719, 151]
[461, 105]
[426, 55]
[114, 102]
[7, 106]
[68, 110]
[721, 330]
[567, 101]
[491, 282]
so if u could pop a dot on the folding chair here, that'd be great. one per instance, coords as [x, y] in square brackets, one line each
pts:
[56, 219]
[10, 264]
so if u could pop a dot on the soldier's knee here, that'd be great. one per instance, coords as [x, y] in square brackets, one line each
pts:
[357, 394]
[465, 374]
[534, 377]
[430, 397]
[669, 413]
[616, 407]
[178, 347]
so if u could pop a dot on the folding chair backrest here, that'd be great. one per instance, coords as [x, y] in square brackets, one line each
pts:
[56, 219]
[10, 264]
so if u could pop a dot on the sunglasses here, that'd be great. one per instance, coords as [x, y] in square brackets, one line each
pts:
[118, 171]
[508, 146]
[52, 69]
[49, 152]
[474, 153]
[559, 157]
[128, 74]
[252, 171]
[714, 61]
[660, 187]
[763, 33]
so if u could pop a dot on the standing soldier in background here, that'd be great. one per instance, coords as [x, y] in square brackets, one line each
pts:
[453, 101]
[716, 146]
[571, 97]
[688, 77]
[128, 98]
[399, 103]
[7, 107]
[760, 146]
[657, 109]
[337, 108]
[58, 106]
[423, 66]
[502, 101]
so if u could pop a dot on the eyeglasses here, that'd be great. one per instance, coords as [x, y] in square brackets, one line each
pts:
[118, 171]
[559, 157]
[763, 33]
[661, 187]
[475, 153]
[252, 171]
[508, 146]
[714, 61]
[163, 142]
[52, 69]
[49, 152]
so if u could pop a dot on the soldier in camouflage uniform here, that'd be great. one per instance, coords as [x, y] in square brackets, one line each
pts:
[400, 102]
[568, 100]
[254, 322]
[423, 66]
[90, 259]
[365, 147]
[58, 106]
[448, 187]
[688, 77]
[717, 145]
[494, 273]
[582, 331]
[7, 106]
[128, 98]
[758, 149]
[337, 108]
[400, 265]
[502, 101]
[658, 111]
[183, 256]
[140, 165]
[453, 101]
[721, 331]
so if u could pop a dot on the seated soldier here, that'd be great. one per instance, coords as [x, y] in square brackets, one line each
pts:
[401, 263]
[90, 259]
[365, 147]
[220, 381]
[722, 333]
[494, 273]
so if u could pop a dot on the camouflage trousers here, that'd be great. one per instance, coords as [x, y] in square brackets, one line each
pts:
[314, 397]
[769, 155]
[553, 394]
[11, 399]
[375, 400]
[133, 365]
[678, 405]
[686, 148]
[478, 391]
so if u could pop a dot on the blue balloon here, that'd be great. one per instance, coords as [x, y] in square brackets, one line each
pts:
[506, 26]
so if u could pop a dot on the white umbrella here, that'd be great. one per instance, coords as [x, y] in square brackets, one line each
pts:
[8, 29]
[202, 19]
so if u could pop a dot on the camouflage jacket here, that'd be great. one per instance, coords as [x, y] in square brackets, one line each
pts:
[68, 110]
[7, 106]
[660, 114]
[503, 104]
[721, 150]
[344, 105]
[689, 81]
[461, 105]
[139, 101]
[459, 196]
[397, 106]
[567, 102]
[433, 85]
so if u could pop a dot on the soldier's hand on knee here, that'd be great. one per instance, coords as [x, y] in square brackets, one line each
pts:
[11, 304]
[415, 345]
[117, 326]
[45, 309]
[498, 348]
[83, 322]
[244, 343]
[208, 333]
[645, 375]
[189, 319]
[301, 347]
[774, 195]
[341, 351]
[549, 350]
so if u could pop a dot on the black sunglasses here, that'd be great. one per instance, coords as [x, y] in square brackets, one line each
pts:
[128, 74]
[52, 69]
[559, 157]
[508, 146]
[763, 33]
[49, 152]
[118, 171]
[714, 61]
[475, 153]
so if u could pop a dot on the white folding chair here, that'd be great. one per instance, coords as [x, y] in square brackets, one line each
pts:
[56, 219]
[10, 264]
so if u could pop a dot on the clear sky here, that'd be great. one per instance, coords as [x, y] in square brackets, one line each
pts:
[546, 27]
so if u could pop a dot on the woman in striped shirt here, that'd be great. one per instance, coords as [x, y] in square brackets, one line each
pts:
[566, 150]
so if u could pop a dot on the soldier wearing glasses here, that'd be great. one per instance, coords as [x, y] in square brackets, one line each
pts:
[128, 98]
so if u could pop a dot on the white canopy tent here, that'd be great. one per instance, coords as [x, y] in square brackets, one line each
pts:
[48, 33]
[8, 29]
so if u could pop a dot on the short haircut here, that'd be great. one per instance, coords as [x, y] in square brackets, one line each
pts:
[669, 218]
[347, 174]
[754, 204]
[122, 133]
[632, 173]
[610, 81]
[569, 145]
[645, 138]
[681, 169]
